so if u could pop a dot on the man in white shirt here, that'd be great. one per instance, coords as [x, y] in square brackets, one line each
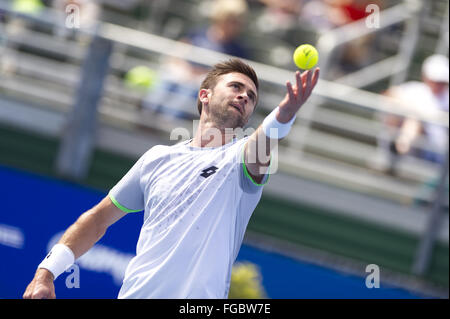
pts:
[197, 196]
[427, 97]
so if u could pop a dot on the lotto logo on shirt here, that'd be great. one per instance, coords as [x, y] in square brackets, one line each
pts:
[209, 171]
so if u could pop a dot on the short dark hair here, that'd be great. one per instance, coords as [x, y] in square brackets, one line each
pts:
[230, 66]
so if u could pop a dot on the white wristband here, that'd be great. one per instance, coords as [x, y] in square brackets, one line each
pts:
[274, 129]
[58, 260]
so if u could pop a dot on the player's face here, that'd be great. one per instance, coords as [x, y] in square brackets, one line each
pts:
[233, 100]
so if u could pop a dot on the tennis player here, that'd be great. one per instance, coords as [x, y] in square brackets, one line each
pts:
[197, 196]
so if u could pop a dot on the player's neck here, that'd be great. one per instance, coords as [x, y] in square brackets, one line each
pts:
[209, 134]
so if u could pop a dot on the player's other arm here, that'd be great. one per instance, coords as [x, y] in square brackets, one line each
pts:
[259, 145]
[79, 237]
[91, 226]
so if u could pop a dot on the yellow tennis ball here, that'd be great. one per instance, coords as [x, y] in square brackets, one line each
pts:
[305, 56]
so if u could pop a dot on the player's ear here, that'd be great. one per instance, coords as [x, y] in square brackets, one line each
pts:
[204, 95]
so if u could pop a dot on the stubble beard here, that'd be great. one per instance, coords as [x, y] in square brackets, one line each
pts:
[222, 115]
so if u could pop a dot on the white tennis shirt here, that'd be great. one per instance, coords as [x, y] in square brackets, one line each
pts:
[197, 203]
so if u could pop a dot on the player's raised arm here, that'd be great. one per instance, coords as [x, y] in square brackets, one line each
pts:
[77, 240]
[277, 124]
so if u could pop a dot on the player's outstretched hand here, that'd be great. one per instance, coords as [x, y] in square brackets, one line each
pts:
[41, 287]
[297, 95]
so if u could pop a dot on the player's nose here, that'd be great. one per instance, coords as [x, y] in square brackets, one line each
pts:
[243, 96]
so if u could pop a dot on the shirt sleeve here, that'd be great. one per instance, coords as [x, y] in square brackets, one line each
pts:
[246, 182]
[127, 194]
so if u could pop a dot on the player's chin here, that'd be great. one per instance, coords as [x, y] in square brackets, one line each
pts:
[234, 122]
[239, 123]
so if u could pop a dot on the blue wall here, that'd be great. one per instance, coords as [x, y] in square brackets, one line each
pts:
[35, 210]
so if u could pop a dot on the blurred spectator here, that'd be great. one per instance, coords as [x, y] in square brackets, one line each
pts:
[227, 19]
[329, 14]
[324, 15]
[279, 16]
[14, 28]
[428, 96]
[176, 93]
[356, 54]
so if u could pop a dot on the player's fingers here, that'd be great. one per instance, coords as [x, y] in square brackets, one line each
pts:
[312, 83]
[28, 291]
[308, 87]
[303, 81]
[315, 77]
[42, 293]
[290, 91]
[298, 81]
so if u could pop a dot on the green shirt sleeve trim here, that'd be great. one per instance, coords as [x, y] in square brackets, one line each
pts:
[122, 208]
[247, 173]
